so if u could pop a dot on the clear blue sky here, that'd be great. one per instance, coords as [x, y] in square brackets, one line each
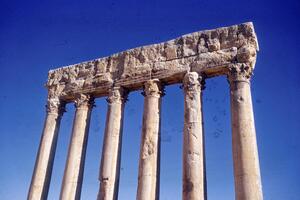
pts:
[36, 36]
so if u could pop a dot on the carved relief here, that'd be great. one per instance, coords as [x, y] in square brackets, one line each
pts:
[55, 106]
[170, 51]
[239, 72]
[213, 44]
[197, 51]
[153, 88]
[84, 101]
[117, 95]
[193, 84]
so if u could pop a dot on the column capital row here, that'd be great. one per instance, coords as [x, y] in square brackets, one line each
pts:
[154, 88]
[239, 72]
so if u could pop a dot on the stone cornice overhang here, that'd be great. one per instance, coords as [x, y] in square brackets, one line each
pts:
[209, 52]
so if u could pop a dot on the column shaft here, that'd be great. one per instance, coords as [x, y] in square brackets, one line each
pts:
[148, 178]
[193, 144]
[111, 152]
[73, 175]
[244, 147]
[40, 182]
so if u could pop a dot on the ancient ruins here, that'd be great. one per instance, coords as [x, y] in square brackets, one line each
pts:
[189, 59]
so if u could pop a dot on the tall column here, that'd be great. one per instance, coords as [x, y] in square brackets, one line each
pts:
[40, 182]
[149, 166]
[72, 181]
[111, 152]
[244, 148]
[193, 144]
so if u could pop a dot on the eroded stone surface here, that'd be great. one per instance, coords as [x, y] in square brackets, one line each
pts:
[229, 51]
[40, 182]
[74, 168]
[111, 153]
[209, 52]
[149, 162]
[193, 187]
[247, 176]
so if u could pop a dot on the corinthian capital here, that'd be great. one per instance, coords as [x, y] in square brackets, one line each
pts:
[193, 82]
[84, 101]
[239, 72]
[117, 95]
[153, 88]
[55, 106]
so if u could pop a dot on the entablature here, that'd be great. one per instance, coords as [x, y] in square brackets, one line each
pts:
[209, 52]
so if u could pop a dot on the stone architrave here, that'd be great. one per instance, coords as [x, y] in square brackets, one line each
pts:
[73, 176]
[40, 182]
[111, 153]
[149, 163]
[244, 146]
[208, 52]
[193, 144]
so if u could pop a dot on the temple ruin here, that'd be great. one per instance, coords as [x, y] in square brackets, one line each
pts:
[189, 59]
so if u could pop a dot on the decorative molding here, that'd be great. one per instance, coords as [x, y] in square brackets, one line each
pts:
[55, 106]
[84, 101]
[210, 52]
[117, 95]
[239, 72]
[193, 83]
[153, 88]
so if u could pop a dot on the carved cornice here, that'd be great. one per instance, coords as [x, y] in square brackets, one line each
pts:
[209, 52]
[84, 101]
[153, 88]
[55, 106]
[117, 95]
[239, 72]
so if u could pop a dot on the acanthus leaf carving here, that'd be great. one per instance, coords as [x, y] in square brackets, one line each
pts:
[153, 88]
[239, 72]
[84, 101]
[55, 106]
[117, 95]
[193, 83]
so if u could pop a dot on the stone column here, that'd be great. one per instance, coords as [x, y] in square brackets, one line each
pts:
[244, 148]
[111, 152]
[149, 166]
[40, 182]
[72, 181]
[193, 144]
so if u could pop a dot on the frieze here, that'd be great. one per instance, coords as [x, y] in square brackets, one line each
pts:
[208, 52]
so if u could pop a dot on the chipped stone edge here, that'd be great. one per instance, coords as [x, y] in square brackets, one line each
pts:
[169, 68]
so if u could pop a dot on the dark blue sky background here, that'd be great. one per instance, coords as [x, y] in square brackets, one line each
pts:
[36, 36]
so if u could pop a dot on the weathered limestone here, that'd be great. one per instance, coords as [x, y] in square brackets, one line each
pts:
[72, 181]
[227, 51]
[149, 164]
[193, 144]
[244, 148]
[208, 52]
[40, 182]
[111, 153]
